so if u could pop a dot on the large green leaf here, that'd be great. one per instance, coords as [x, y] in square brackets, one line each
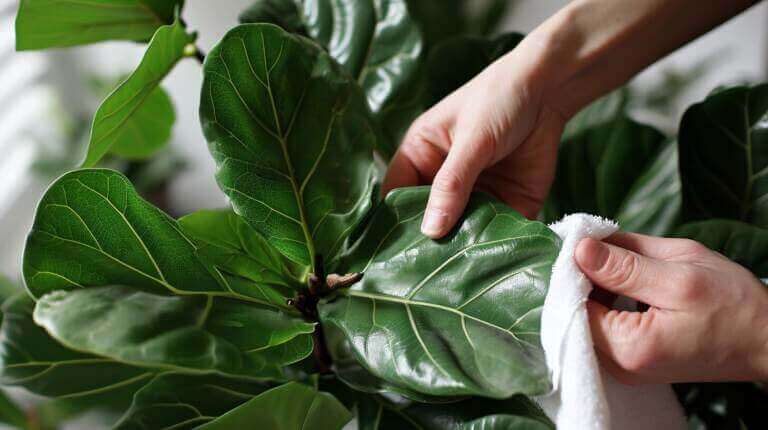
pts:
[53, 23]
[178, 401]
[91, 228]
[456, 61]
[194, 334]
[292, 139]
[724, 156]
[33, 360]
[392, 411]
[135, 117]
[288, 407]
[598, 167]
[147, 129]
[600, 112]
[652, 206]
[444, 19]
[459, 316]
[743, 243]
[235, 247]
[374, 40]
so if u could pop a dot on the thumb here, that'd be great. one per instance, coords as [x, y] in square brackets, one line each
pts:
[628, 273]
[452, 187]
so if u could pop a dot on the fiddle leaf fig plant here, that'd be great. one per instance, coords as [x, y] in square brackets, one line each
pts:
[310, 296]
[312, 300]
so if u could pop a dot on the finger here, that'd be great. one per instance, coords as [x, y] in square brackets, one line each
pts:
[451, 189]
[625, 341]
[400, 173]
[628, 273]
[656, 247]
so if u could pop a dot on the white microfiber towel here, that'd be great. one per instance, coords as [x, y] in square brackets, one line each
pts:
[584, 396]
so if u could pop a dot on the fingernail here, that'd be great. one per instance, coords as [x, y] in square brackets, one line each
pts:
[592, 254]
[434, 222]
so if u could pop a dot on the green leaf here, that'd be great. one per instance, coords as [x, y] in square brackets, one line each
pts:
[743, 243]
[173, 400]
[226, 238]
[724, 156]
[11, 413]
[193, 334]
[44, 24]
[292, 139]
[148, 129]
[376, 41]
[439, 20]
[459, 316]
[597, 167]
[91, 229]
[35, 361]
[284, 13]
[652, 206]
[456, 61]
[288, 407]
[602, 111]
[135, 113]
[394, 412]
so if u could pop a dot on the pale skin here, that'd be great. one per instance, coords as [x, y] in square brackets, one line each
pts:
[708, 316]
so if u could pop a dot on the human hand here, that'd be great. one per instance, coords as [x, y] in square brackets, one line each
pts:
[708, 316]
[493, 134]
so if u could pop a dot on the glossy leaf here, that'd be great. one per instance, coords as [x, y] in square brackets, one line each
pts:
[598, 167]
[724, 156]
[44, 24]
[226, 238]
[743, 243]
[454, 317]
[284, 13]
[148, 129]
[604, 110]
[194, 334]
[292, 139]
[445, 19]
[456, 61]
[173, 400]
[374, 40]
[35, 361]
[134, 113]
[288, 407]
[652, 206]
[91, 229]
[394, 411]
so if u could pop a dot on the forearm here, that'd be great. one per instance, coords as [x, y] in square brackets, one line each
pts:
[591, 47]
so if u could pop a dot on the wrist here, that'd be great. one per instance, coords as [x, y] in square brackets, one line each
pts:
[552, 56]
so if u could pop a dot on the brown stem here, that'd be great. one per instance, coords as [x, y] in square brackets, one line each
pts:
[320, 350]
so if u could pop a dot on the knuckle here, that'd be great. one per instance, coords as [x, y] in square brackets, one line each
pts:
[622, 269]
[637, 350]
[448, 182]
[692, 247]
[422, 131]
[690, 283]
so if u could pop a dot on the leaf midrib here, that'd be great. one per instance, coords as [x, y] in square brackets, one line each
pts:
[410, 302]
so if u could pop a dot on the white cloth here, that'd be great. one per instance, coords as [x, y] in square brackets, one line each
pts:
[585, 397]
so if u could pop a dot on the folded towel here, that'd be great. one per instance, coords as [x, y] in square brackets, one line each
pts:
[584, 396]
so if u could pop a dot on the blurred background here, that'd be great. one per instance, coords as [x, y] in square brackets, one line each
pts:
[48, 99]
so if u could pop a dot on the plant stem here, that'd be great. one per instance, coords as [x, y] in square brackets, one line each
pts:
[320, 350]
